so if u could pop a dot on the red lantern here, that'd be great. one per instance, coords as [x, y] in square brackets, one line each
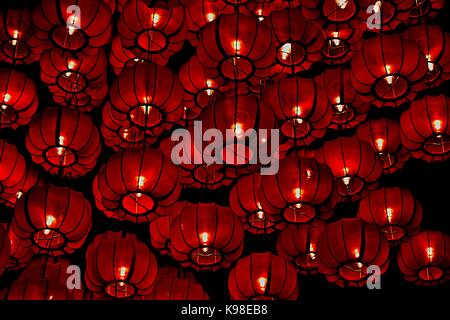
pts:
[302, 107]
[64, 142]
[263, 276]
[394, 210]
[348, 108]
[237, 48]
[435, 45]
[425, 129]
[148, 97]
[206, 237]
[5, 248]
[298, 191]
[16, 176]
[54, 220]
[137, 185]
[347, 248]
[119, 57]
[18, 99]
[18, 42]
[298, 42]
[391, 14]
[425, 258]
[388, 70]
[73, 27]
[153, 32]
[20, 254]
[297, 244]
[384, 136]
[425, 9]
[245, 204]
[354, 164]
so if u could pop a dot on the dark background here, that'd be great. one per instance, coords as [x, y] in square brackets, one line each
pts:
[428, 182]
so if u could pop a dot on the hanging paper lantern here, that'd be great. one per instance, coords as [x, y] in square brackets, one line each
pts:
[73, 26]
[348, 108]
[5, 248]
[206, 237]
[152, 30]
[347, 248]
[20, 254]
[148, 96]
[237, 48]
[119, 57]
[245, 204]
[64, 142]
[18, 99]
[390, 13]
[388, 70]
[341, 42]
[18, 42]
[425, 129]
[424, 10]
[119, 266]
[302, 108]
[298, 42]
[297, 192]
[54, 220]
[394, 210]
[137, 185]
[354, 164]
[263, 276]
[424, 259]
[435, 45]
[384, 136]
[297, 244]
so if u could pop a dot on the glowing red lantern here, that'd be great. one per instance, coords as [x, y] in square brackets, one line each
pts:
[354, 164]
[73, 27]
[152, 31]
[394, 210]
[263, 276]
[119, 266]
[425, 258]
[206, 236]
[298, 42]
[425, 129]
[5, 248]
[18, 99]
[54, 220]
[347, 248]
[301, 106]
[137, 184]
[348, 108]
[297, 192]
[425, 9]
[119, 57]
[18, 42]
[388, 70]
[384, 136]
[237, 48]
[390, 13]
[434, 43]
[20, 254]
[297, 244]
[64, 141]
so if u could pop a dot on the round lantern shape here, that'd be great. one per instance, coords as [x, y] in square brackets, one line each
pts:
[73, 26]
[237, 48]
[424, 259]
[354, 164]
[388, 70]
[298, 245]
[137, 185]
[54, 220]
[64, 142]
[394, 210]
[18, 42]
[347, 248]
[18, 99]
[384, 136]
[302, 108]
[119, 266]
[348, 108]
[206, 237]
[152, 30]
[5, 248]
[425, 9]
[425, 129]
[263, 276]
[297, 192]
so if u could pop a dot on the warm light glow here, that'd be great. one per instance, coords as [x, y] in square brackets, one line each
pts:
[73, 19]
[308, 173]
[204, 238]
[262, 282]
[312, 250]
[389, 79]
[260, 14]
[15, 37]
[430, 63]
[297, 112]
[356, 253]
[298, 193]
[60, 150]
[146, 108]
[346, 180]
[335, 39]
[430, 253]
[237, 44]
[342, 4]
[123, 272]
[70, 65]
[210, 16]
[437, 125]
[19, 194]
[389, 214]
[359, 264]
[125, 133]
[140, 181]
[238, 130]
[380, 144]
[49, 222]
[260, 215]
[155, 18]
[6, 98]
[209, 84]
[285, 50]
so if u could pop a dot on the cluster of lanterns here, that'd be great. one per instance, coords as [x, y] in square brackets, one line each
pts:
[253, 68]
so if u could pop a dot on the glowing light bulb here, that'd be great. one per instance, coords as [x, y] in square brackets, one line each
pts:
[70, 65]
[123, 272]
[125, 133]
[312, 250]
[238, 130]
[155, 18]
[6, 98]
[73, 22]
[430, 63]
[140, 181]
[60, 150]
[146, 108]
[359, 264]
[210, 16]
[49, 222]
[338, 105]
[15, 37]
[260, 215]
[430, 253]
[260, 15]
[346, 180]
[342, 4]
[380, 144]
[286, 50]
[204, 238]
[121, 283]
[308, 173]
[297, 111]
[437, 125]
[262, 283]
[389, 79]
[209, 84]
[237, 44]
[336, 41]
[297, 193]
[19, 194]
[356, 253]
[389, 214]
